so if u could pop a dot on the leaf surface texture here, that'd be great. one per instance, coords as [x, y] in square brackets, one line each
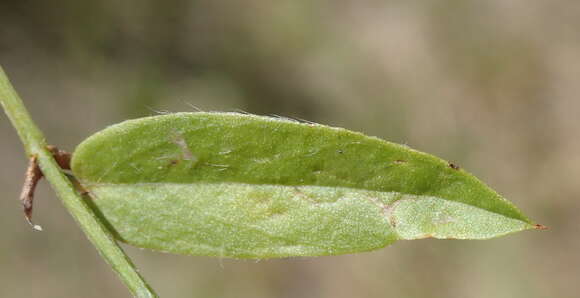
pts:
[245, 186]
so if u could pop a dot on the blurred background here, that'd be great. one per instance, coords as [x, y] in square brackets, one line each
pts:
[490, 85]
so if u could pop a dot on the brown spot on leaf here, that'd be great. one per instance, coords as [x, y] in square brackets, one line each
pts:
[454, 166]
[388, 212]
[400, 161]
[186, 153]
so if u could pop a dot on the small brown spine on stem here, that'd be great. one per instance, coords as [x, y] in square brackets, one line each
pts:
[33, 176]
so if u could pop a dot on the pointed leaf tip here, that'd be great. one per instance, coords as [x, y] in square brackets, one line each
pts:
[540, 227]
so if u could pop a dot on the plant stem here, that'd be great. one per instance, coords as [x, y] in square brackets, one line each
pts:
[35, 145]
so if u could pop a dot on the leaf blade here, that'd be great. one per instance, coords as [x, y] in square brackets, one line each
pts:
[189, 149]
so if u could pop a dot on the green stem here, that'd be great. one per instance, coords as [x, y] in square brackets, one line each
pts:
[35, 145]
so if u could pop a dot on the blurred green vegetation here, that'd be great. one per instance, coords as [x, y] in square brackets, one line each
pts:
[490, 85]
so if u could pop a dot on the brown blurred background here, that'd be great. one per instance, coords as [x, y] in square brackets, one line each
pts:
[491, 85]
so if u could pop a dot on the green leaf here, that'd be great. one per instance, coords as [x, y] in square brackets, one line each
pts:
[245, 186]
